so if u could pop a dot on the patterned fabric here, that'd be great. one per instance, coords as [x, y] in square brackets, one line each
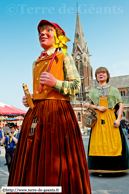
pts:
[71, 85]
[113, 97]
[103, 91]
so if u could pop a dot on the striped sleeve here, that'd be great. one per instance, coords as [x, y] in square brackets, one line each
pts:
[71, 85]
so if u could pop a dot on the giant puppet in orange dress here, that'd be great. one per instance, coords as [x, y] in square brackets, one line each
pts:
[50, 150]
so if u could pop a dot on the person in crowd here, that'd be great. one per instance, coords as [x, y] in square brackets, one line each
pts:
[16, 127]
[50, 149]
[127, 129]
[0, 134]
[108, 151]
[10, 142]
[122, 123]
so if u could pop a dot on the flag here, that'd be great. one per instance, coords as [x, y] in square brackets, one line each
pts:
[82, 101]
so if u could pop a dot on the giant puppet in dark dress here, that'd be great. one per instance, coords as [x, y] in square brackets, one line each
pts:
[50, 150]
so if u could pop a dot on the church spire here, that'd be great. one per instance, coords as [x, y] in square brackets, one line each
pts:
[77, 5]
[81, 58]
[79, 35]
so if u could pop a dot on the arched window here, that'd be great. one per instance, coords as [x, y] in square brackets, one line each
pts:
[123, 114]
[78, 116]
[77, 35]
[121, 93]
[81, 68]
[82, 90]
[91, 74]
[76, 65]
[82, 87]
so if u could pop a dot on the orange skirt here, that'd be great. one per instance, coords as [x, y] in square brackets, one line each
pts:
[54, 155]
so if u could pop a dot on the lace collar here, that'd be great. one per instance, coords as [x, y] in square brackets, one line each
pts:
[103, 90]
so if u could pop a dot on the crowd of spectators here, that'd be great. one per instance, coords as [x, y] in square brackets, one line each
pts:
[9, 139]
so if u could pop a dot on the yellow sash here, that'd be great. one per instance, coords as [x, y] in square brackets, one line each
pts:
[15, 132]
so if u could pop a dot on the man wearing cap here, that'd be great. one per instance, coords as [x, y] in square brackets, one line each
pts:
[50, 149]
[10, 142]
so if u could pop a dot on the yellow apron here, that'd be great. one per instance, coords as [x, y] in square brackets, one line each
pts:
[105, 138]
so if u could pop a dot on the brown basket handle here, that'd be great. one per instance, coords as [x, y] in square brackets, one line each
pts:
[94, 112]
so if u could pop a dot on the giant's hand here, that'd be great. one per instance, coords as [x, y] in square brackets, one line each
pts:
[25, 102]
[47, 79]
[101, 108]
[117, 123]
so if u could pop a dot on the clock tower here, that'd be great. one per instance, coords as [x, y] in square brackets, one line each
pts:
[81, 58]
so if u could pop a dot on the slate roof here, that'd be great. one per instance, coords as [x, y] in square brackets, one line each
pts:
[118, 82]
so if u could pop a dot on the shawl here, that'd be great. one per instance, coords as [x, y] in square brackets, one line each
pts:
[113, 97]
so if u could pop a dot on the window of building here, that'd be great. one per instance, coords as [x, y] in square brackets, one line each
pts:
[78, 95]
[82, 90]
[78, 116]
[81, 68]
[77, 35]
[122, 93]
[91, 74]
[76, 63]
[82, 87]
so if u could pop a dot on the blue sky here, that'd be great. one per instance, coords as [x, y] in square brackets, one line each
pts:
[104, 23]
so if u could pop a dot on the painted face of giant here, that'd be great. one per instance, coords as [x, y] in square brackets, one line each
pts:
[46, 36]
[102, 76]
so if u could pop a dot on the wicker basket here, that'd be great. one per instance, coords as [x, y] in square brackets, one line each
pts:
[89, 117]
